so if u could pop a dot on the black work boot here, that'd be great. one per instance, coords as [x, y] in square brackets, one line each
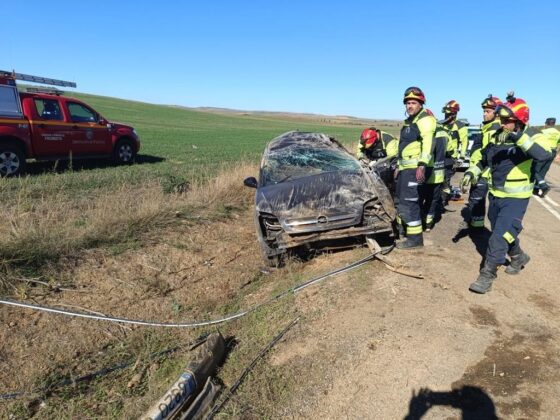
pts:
[517, 263]
[485, 278]
[411, 241]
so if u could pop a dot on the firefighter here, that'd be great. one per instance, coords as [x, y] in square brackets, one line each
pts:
[457, 146]
[430, 196]
[376, 144]
[509, 155]
[415, 145]
[475, 210]
[549, 136]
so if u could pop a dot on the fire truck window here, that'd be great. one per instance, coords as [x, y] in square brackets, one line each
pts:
[48, 109]
[9, 103]
[80, 113]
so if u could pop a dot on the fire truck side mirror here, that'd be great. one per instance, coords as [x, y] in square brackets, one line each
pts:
[101, 120]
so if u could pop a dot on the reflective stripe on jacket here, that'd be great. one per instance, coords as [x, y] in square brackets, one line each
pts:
[415, 142]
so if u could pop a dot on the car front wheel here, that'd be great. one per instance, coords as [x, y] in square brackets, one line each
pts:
[270, 253]
[124, 152]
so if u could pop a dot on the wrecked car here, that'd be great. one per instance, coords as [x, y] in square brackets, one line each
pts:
[312, 193]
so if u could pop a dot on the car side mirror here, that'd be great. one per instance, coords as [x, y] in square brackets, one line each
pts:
[101, 121]
[250, 182]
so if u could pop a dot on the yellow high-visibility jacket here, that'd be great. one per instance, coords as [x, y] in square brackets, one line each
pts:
[549, 137]
[415, 142]
[435, 173]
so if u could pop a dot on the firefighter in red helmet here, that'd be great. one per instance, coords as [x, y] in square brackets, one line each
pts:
[475, 210]
[376, 144]
[509, 156]
[414, 155]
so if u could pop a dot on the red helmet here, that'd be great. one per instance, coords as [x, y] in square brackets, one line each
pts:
[451, 107]
[516, 109]
[415, 94]
[491, 102]
[368, 137]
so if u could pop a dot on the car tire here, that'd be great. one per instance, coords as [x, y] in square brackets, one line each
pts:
[12, 160]
[270, 255]
[124, 153]
[271, 260]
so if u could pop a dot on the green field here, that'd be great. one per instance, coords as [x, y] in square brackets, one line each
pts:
[195, 143]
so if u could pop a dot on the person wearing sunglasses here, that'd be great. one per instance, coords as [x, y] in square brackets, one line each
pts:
[550, 136]
[475, 210]
[415, 148]
[509, 156]
[458, 141]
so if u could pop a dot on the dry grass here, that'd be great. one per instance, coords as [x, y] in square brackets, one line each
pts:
[40, 227]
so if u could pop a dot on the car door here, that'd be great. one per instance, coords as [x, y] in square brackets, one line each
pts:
[50, 131]
[88, 136]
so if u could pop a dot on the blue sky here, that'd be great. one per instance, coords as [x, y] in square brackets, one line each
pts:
[329, 57]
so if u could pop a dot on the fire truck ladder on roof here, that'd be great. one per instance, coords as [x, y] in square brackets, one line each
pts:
[37, 79]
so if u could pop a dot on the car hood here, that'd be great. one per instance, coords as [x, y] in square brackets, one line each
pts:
[121, 126]
[323, 194]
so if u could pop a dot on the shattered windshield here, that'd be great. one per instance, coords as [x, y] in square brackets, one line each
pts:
[297, 162]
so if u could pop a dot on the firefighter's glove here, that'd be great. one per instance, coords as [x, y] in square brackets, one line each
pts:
[504, 137]
[466, 182]
[421, 174]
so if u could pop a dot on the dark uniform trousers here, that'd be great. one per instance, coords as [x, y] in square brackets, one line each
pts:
[540, 169]
[476, 206]
[449, 172]
[408, 205]
[430, 197]
[506, 215]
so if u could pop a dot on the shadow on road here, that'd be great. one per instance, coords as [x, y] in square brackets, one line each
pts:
[474, 403]
[61, 166]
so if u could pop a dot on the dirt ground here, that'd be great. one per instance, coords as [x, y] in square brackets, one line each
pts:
[370, 343]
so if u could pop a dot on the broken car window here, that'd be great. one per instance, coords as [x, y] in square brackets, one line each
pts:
[296, 162]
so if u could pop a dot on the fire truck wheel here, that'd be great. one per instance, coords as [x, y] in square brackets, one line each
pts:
[124, 152]
[12, 160]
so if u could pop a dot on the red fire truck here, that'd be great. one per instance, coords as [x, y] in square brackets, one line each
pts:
[42, 124]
